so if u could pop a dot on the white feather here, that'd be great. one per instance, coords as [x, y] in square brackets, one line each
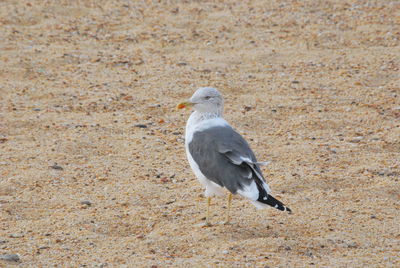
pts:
[250, 191]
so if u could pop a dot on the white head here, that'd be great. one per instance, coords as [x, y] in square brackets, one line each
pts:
[207, 100]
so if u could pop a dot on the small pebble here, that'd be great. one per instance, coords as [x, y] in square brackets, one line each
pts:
[16, 235]
[140, 125]
[10, 257]
[357, 139]
[247, 108]
[86, 202]
[352, 245]
[56, 167]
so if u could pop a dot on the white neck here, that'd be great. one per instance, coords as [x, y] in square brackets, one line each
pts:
[199, 120]
[200, 116]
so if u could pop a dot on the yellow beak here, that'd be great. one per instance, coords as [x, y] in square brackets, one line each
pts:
[184, 104]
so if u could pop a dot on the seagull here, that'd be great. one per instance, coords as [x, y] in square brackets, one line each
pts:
[220, 157]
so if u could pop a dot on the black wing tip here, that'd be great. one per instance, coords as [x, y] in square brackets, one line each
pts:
[273, 202]
[288, 210]
[285, 208]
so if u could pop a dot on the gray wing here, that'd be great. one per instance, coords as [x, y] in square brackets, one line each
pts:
[224, 157]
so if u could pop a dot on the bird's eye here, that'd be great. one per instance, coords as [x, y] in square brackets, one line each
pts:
[207, 97]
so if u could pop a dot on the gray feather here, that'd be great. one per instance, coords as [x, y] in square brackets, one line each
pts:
[219, 153]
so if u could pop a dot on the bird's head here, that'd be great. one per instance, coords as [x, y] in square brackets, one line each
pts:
[205, 100]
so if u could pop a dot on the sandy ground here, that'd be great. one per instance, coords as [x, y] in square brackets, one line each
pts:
[93, 169]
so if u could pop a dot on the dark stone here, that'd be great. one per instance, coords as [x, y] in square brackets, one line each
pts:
[56, 167]
[86, 202]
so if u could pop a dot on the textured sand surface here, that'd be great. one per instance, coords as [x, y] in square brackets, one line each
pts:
[92, 163]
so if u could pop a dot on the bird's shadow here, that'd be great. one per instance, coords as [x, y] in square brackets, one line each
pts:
[244, 231]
